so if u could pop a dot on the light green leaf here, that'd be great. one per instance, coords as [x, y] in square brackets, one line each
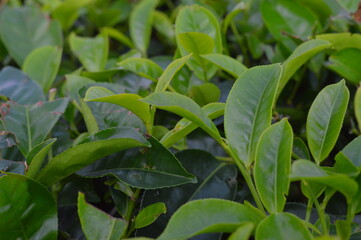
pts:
[18, 87]
[143, 67]
[149, 214]
[92, 52]
[36, 157]
[93, 148]
[213, 215]
[352, 152]
[300, 56]
[248, 109]
[207, 24]
[164, 26]
[357, 106]
[32, 124]
[350, 5]
[342, 40]
[226, 63]
[184, 107]
[309, 171]
[68, 11]
[344, 62]
[140, 24]
[184, 126]
[24, 29]
[325, 118]
[27, 209]
[243, 232]
[96, 224]
[42, 65]
[205, 93]
[169, 72]
[282, 226]
[118, 35]
[273, 165]
[128, 100]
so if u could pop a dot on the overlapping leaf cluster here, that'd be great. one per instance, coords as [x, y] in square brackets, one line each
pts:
[188, 119]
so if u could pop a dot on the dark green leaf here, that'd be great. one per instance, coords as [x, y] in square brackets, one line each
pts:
[357, 107]
[37, 155]
[7, 139]
[12, 166]
[248, 109]
[149, 214]
[28, 210]
[205, 93]
[96, 224]
[325, 119]
[300, 150]
[93, 148]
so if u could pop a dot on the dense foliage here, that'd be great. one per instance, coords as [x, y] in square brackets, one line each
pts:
[188, 119]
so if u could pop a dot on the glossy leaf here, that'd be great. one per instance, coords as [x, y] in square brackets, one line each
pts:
[226, 63]
[42, 65]
[184, 107]
[143, 67]
[325, 119]
[15, 85]
[248, 109]
[206, 216]
[169, 72]
[309, 171]
[128, 100]
[293, 20]
[20, 39]
[149, 214]
[273, 165]
[37, 155]
[342, 40]
[184, 126]
[216, 179]
[207, 28]
[344, 62]
[243, 232]
[300, 150]
[96, 224]
[32, 124]
[23, 215]
[140, 24]
[93, 148]
[282, 226]
[300, 56]
[92, 52]
[154, 168]
[205, 93]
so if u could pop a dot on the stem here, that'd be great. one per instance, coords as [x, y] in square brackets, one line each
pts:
[129, 213]
[320, 210]
[309, 210]
[350, 215]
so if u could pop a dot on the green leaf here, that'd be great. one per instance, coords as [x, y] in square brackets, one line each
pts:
[143, 67]
[213, 215]
[231, 15]
[356, 203]
[243, 232]
[68, 11]
[248, 109]
[164, 26]
[12, 166]
[28, 210]
[350, 5]
[344, 165]
[309, 171]
[127, 100]
[92, 52]
[343, 229]
[216, 179]
[199, 24]
[32, 124]
[325, 118]
[15, 85]
[169, 72]
[300, 150]
[36, 157]
[153, 168]
[118, 35]
[273, 165]
[344, 62]
[24, 29]
[282, 226]
[342, 40]
[300, 56]
[149, 214]
[293, 20]
[352, 152]
[226, 63]
[205, 93]
[140, 24]
[357, 106]
[96, 224]
[102, 76]
[184, 126]
[42, 65]
[7, 139]
[184, 107]
[93, 148]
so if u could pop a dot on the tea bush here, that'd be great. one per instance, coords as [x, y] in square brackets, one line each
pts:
[188, 119]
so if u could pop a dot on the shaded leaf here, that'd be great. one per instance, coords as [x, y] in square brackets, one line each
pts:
[143, 67]
[357, 107]
[300, 150]
[164, 26]
[149, 214]
[7, 139]
[12, 166]
[205, 93]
